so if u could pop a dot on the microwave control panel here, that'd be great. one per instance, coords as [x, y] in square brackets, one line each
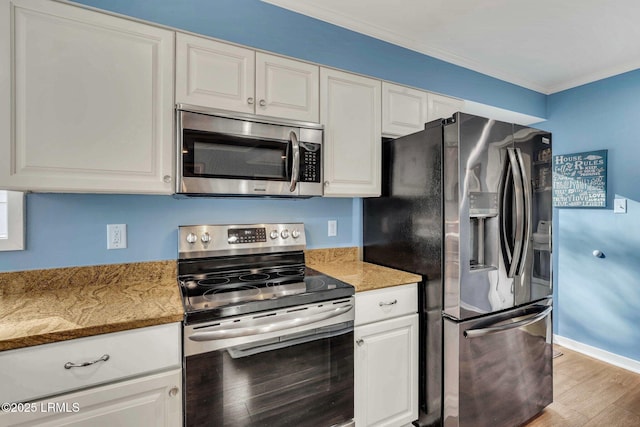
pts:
[310, 164]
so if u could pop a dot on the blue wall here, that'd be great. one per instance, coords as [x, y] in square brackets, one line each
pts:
[70, 229]
[598, 299]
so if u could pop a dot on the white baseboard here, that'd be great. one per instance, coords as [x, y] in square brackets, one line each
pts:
[596, 353]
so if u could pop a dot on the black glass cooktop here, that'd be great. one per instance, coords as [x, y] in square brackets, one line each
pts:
[229, 291]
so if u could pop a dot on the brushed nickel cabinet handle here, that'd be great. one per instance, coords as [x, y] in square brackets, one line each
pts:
[360, 342]
[174, 391]
[384, 304]
[250, 101]
[263, 103]
[70, 365]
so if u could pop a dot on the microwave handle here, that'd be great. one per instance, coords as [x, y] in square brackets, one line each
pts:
[295, 168]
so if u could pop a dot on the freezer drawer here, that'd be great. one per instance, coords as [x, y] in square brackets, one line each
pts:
[498, 368]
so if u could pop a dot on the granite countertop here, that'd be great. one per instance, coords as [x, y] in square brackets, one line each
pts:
[343, 264]
[44, 306]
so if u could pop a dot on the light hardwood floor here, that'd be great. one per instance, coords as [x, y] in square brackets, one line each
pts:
[590, 393]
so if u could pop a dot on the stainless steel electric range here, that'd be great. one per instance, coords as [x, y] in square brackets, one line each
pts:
[267, 340]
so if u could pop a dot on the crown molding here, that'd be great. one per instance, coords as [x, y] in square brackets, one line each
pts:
[595, 76]
[359, 26]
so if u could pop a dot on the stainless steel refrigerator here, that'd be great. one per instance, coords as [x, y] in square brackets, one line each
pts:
[466, 203]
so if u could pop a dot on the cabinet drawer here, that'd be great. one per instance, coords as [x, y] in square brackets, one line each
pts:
[380, 304]
[39, 371]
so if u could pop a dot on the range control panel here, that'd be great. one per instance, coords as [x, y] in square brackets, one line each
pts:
[198, 241]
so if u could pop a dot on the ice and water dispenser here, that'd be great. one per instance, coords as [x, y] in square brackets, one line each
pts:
[483, 218]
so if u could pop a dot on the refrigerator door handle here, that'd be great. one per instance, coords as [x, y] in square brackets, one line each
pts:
[526, 210]
[481, 332]
[506, 215]
[518, 190]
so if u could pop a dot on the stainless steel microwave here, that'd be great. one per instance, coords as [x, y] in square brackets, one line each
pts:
[221, 153]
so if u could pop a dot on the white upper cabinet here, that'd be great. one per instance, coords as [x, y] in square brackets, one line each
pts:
[219, 75]
[404, 110]
[442, 106]
[350, 112]
[87, 101]
[287, 88]
[215, 75]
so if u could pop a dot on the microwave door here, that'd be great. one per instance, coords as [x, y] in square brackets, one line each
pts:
[238, 156]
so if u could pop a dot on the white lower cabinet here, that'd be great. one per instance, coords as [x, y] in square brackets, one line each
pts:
[386, 357]
[149, 401]
[128, 378]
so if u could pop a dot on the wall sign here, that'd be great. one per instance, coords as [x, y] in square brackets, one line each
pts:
[580, 180]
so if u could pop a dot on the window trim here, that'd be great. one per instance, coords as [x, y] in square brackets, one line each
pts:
[15, 222]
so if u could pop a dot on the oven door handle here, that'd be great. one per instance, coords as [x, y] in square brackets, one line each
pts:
[288, 321]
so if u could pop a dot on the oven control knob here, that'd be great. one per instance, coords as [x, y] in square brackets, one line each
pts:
[284, 234]
[206, 237]
[295, 234]
[273, 234]
[192, 238]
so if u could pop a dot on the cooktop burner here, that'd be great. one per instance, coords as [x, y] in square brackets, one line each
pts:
[223, 271]
[225, 296]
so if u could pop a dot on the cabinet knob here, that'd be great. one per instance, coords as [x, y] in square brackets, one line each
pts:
[174, 391]
[326, 183]
[250, 101]
[360, 342]
[167, 178]
[263, 103]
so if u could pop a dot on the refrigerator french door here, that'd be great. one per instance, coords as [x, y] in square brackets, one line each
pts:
[466, 203]
[492, 207]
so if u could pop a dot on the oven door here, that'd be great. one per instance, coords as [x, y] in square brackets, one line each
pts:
[284, 368]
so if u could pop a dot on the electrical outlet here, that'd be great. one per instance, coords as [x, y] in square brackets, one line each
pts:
[116, 236]
[332, 228]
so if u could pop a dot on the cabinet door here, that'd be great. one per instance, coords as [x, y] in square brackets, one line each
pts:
[92, 101]
[350, 112]
[213, 74]
[442, 106]
[386, 372]
[150, 401]
[286, 88]
[404, 110]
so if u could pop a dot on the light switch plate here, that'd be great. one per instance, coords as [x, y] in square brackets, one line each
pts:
[619, 205]
[332, 228]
